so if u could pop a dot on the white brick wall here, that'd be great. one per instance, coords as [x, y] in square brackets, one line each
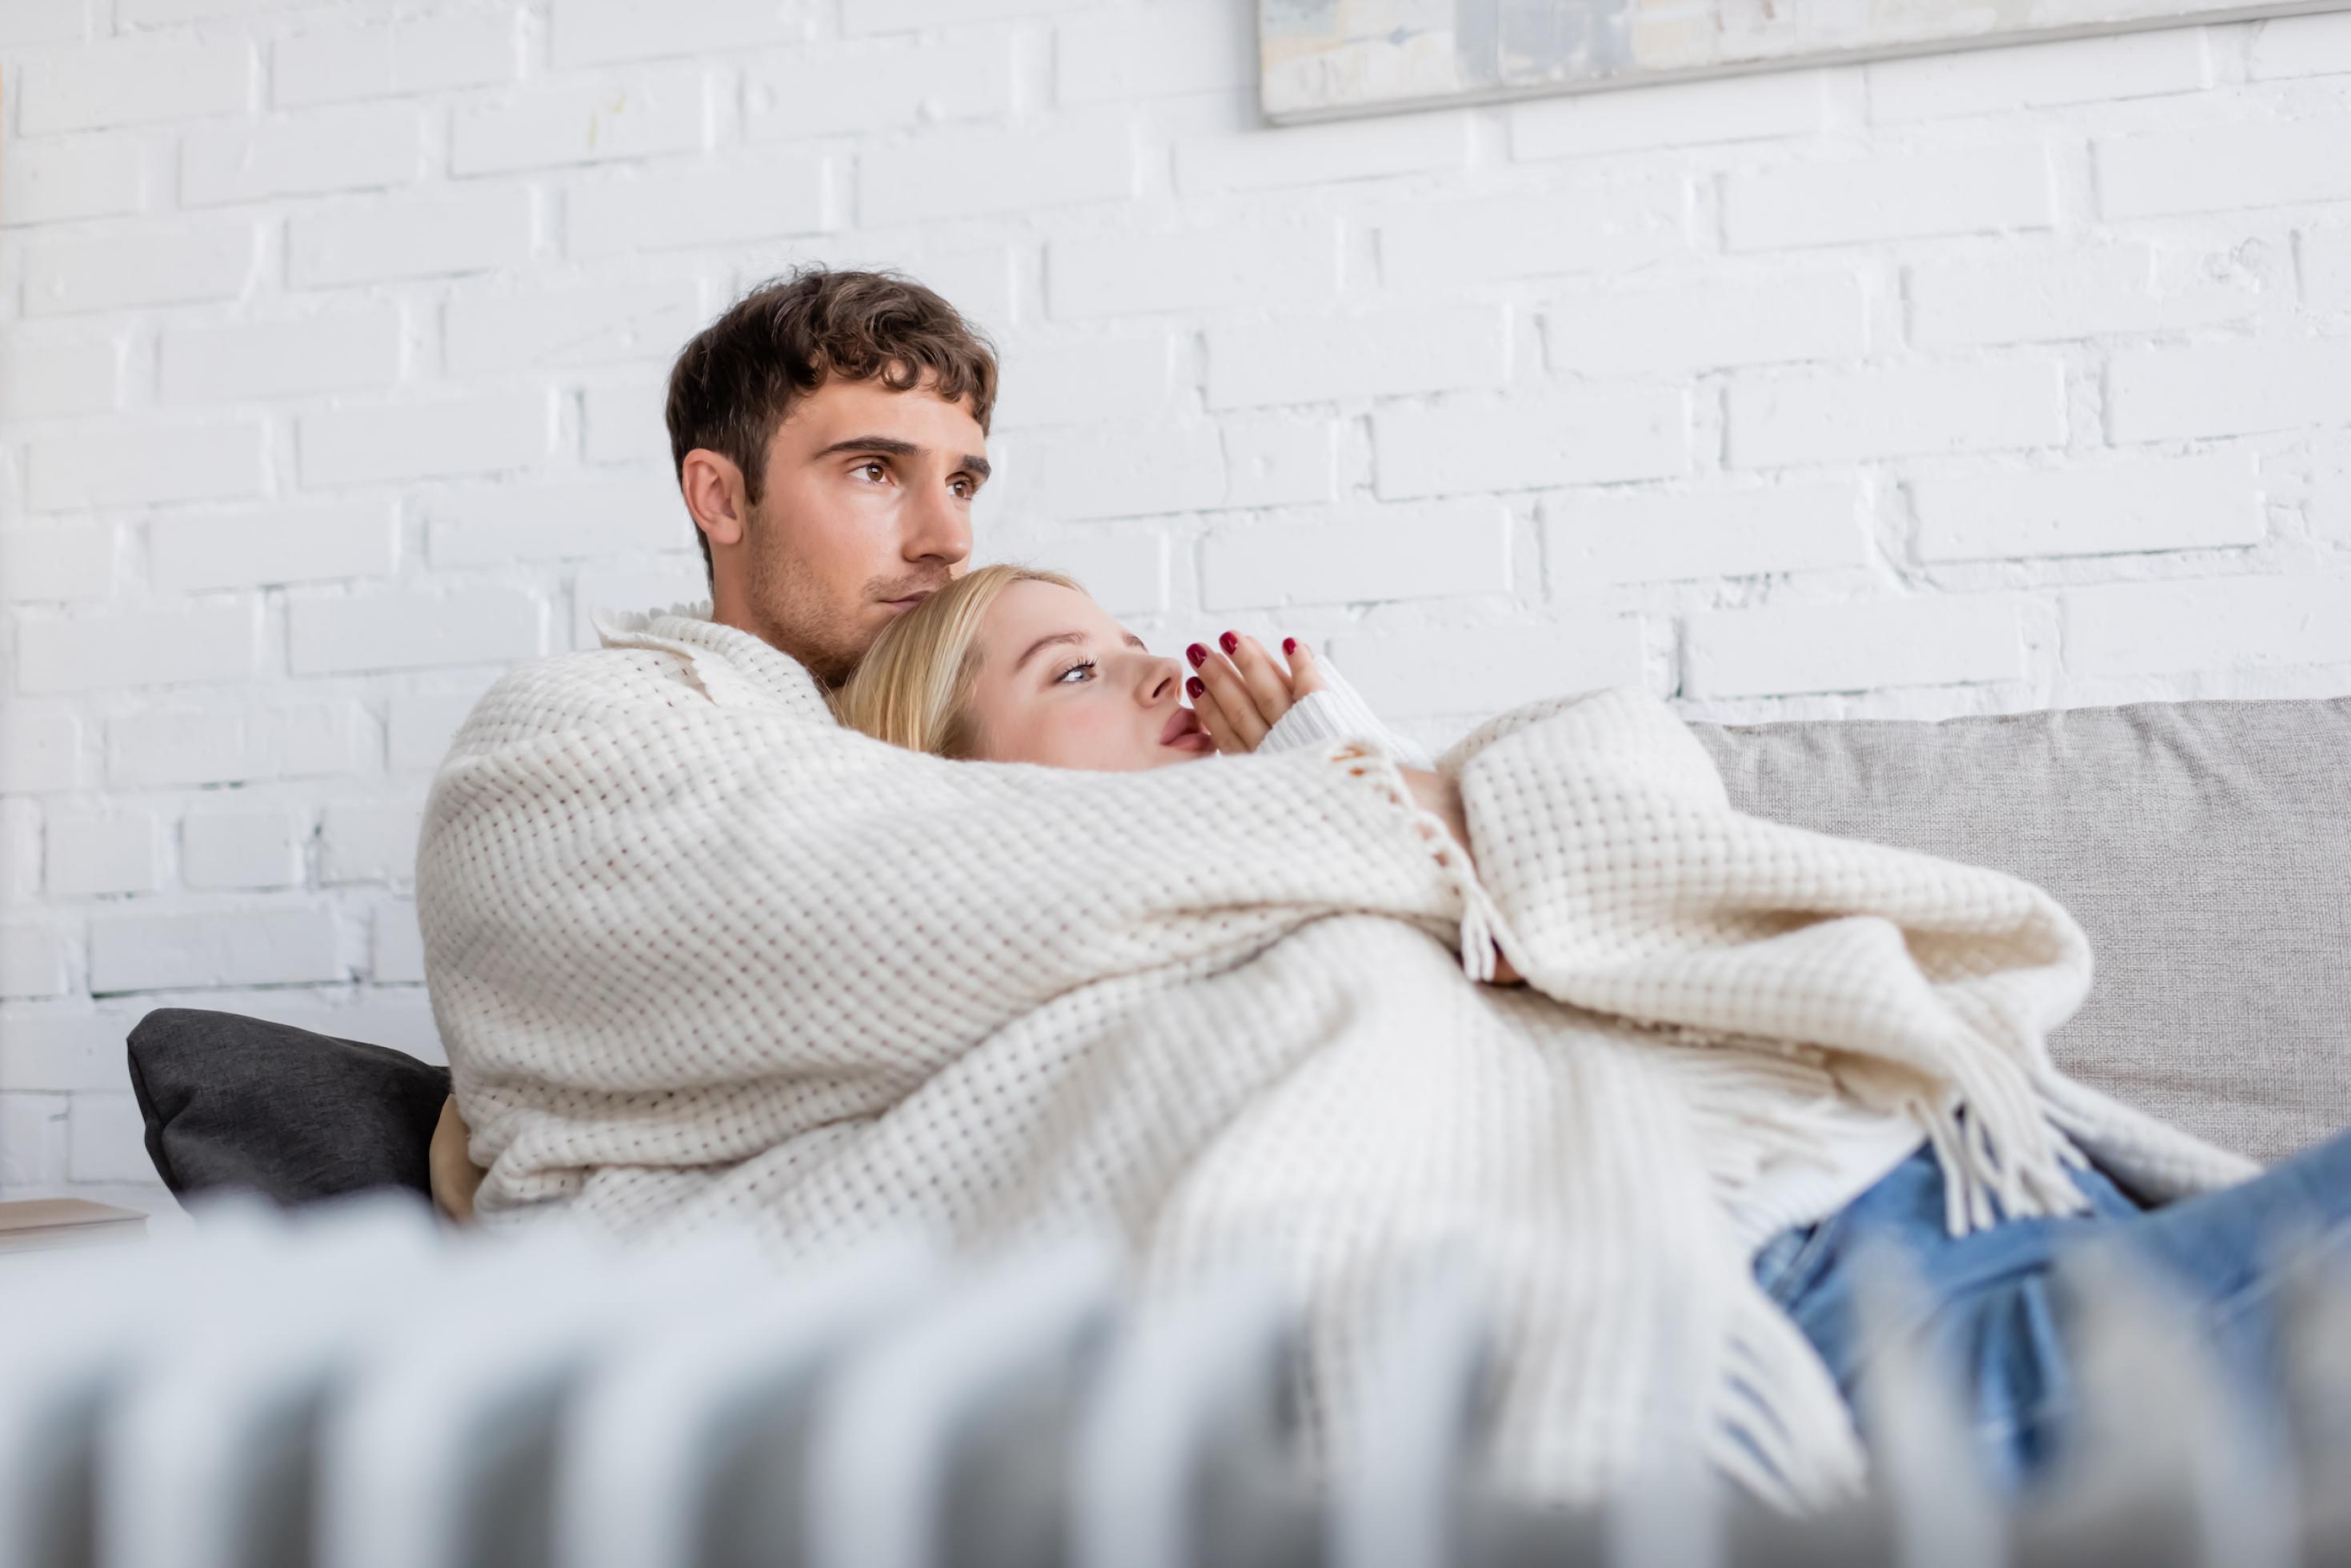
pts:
[332, 338]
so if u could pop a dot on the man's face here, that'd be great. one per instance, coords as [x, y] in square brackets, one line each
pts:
[864, 511]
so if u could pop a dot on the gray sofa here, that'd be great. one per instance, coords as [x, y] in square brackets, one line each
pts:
[2205, 848]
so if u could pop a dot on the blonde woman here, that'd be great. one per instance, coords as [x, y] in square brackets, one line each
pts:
[1009, 665]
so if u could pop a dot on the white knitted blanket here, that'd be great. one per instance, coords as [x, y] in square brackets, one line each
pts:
[698, 954]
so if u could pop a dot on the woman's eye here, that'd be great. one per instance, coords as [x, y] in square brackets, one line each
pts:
[1086, 665]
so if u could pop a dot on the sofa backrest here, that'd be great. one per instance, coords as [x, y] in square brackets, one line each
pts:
[2205, 846]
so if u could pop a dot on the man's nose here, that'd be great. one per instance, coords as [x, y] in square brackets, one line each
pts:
[939, 529]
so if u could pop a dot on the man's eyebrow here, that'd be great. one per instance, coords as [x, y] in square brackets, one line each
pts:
[889, 444]
[979, 465]
[1046, 641]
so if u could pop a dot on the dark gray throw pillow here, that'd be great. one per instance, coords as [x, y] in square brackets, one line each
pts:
[231, 1101]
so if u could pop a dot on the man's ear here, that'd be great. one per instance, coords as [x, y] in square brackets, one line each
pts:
[713, 488]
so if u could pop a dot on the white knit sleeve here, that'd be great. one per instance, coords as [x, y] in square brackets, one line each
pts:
[1338, 713]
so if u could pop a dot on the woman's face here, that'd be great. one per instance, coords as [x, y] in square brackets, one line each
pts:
[1061, 683]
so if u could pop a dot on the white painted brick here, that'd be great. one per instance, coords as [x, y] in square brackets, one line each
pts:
[47, 376]
[20, 857]
[33, 951]
[1122, 470]
[663, 110]
[43, 1049]
[207, 745]
[339, 58]
[868, 17]
[133, 84]
[492, 524]
[1118, 57]
[241, 359]
[1486, 669]
[1613, 228]
[425, 236]
[1276, 156]
[1307, 359]
[370, 840]
[106, 1141]
[977, 280]
[2111, 509]
[1370, 555]
[208, 260]
[337, 149]
[2229, 388]
[397, 955]
[110, 851]
[2215, 168]
[282, 944]
[1128, 272]
[1922, 641]
[1890, 412]
[33, 1139]
[1062, 381]
[538, 329]
[230, 842]
[1674, 114]
[1704, 327]
[2325, 258]
[49, 181]
[1280, 462]
[142, 648]
[624, 421]
[40, 749]
[421, 724]
[2075, 70]
[959, 175]
[1126, 572]
[131, 13]
[462, 435]
[129, 464]
[669, 580]
[1580, 437]
[2105, 289]
[2223, 623]
[307, 542]
[2301, 47]
[715, 202]
[1597, 540]
[69, 560]
[413, 631]
[834, 89]
[44, 22]
[1892, 196]
[2330, 489]
[599, 32]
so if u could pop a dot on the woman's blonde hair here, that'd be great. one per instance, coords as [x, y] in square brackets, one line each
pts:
[914, 687]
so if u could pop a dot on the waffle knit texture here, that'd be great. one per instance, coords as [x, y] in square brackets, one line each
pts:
[700, 955]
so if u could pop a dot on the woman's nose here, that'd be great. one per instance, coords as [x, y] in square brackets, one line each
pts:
[1163, 680]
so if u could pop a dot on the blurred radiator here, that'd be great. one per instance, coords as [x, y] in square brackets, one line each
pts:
[351, 1386]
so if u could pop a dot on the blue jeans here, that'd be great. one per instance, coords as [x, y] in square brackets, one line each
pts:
[1993, 1311]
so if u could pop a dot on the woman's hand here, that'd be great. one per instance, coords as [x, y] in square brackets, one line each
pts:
[1243, 691]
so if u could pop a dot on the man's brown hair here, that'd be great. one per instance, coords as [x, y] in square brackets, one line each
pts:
[738, 378]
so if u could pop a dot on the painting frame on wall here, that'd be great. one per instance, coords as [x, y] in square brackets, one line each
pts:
[1329, 59]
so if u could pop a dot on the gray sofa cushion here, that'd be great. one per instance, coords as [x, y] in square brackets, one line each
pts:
[2205, 846]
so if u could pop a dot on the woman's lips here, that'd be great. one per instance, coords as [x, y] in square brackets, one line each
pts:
[1184, 729]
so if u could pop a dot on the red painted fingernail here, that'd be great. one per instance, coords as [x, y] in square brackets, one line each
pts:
[1228, 643]
[1196, 654]
[1289, 645]
[1193, 685]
